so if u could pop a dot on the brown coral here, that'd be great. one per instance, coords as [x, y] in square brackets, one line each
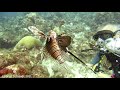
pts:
[5, 71]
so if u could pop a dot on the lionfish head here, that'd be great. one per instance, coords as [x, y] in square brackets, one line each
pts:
[52, 34]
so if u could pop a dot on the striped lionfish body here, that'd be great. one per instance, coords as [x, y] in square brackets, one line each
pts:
[53, 48]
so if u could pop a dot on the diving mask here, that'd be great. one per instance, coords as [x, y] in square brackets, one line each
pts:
[103, 36]
[100, 42]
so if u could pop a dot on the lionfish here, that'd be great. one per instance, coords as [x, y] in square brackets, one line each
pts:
[56, 45]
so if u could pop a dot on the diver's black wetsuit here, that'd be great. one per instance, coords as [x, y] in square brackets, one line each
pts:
[114, 60]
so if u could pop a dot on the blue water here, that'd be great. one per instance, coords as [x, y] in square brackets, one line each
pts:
[43, 13]
[11, 13]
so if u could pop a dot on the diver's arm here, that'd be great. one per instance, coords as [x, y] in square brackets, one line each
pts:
[96, 59]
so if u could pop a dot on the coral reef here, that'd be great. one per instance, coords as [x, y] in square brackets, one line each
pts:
[39, 72]
[35, 63]
[21, 64]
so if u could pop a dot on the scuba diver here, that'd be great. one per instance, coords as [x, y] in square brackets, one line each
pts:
[108, 45]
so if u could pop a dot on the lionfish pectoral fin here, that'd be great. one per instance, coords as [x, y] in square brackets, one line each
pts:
[64, 41]
[42, 34]
[36, 31]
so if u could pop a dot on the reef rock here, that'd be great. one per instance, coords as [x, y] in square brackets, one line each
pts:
[28, 42]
